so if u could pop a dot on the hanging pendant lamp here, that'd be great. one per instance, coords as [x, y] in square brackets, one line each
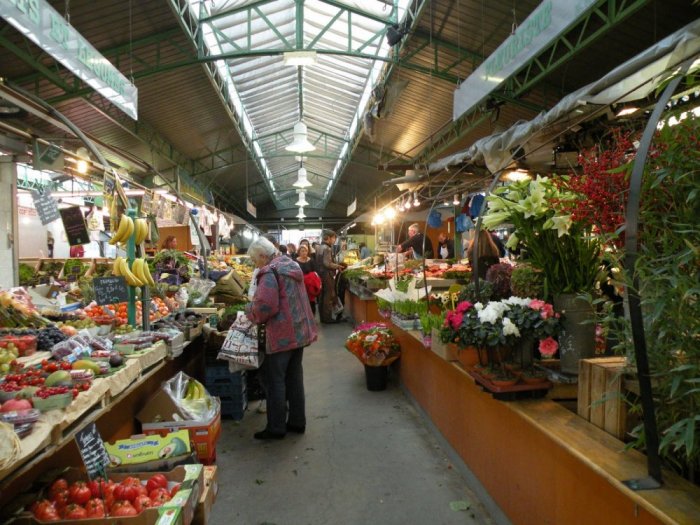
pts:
[301, 215]
[302, 181]
[301, 143]
[302, 199]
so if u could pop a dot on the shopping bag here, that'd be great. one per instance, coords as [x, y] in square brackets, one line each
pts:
[241, 346]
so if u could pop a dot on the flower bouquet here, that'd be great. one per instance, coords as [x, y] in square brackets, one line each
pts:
[374, 344]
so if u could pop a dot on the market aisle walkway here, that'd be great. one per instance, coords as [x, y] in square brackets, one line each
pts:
[366, 458]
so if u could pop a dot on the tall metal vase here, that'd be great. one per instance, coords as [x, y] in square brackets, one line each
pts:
[577, 339]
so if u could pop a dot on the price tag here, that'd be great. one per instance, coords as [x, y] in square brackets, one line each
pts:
[110, 290]
[92, 450]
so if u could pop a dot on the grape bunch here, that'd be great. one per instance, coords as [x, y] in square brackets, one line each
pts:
[48, 337]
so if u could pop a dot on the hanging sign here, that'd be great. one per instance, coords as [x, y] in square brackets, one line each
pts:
[251, 208]
[42, 24]
[46, 206]
[46, 157]
[544, 24]
[146, 201]
[181, 214]
[155, 203]
[110, 290]
[352, 208]
[92, 450]
[74, 224]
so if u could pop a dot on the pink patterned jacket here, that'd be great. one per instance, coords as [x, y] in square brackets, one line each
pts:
[281, 302]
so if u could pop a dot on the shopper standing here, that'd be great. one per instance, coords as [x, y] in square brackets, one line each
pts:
[312, 281]
[280, 301]
[486, 253]
[327, 269]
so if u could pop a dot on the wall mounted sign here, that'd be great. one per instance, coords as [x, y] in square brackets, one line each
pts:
[250, 207]
[544, 24]
[46, 157]
[42, 24]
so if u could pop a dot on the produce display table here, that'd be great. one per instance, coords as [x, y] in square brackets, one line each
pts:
[361, 310]
[538, 461]
[111, 403]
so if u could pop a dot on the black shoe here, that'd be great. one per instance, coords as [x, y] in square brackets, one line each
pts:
[266, 434]
[296, 429]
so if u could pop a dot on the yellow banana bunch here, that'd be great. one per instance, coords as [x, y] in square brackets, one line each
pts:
[126, 229]
[194, 390]
[125, 271]
[141, 228]
[143, 274]
[116, 267]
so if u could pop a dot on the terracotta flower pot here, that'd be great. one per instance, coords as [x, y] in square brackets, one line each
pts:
[468, 357]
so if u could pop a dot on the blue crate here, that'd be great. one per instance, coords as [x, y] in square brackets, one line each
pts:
[216, 373]
[233, 408]
[226, 390]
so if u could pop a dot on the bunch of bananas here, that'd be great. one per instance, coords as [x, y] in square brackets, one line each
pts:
[137, 275]
[195, 390]
[141, 226]
[125, 230]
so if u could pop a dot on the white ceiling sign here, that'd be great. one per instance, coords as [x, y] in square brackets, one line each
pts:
[42, 24]
[544, 24]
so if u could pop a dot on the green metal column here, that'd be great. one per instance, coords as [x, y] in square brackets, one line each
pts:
[130, 254]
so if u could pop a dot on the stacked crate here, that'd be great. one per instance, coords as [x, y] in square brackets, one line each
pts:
[229, 387]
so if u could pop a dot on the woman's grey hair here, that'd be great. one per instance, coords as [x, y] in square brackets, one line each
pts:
[263, 247]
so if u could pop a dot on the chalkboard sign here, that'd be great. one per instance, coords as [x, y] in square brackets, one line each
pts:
[46, 207]
[110, 290]
[146, 201]
[74, 224]
[92, 450]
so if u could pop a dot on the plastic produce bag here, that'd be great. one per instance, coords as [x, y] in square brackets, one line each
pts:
[191, 396]
[199, 291]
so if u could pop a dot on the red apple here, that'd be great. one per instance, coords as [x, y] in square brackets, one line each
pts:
[15, 404]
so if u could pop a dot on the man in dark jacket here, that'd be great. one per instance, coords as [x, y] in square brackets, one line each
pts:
[446, 247]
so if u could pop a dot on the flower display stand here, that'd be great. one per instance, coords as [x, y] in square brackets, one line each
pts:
[376, 377]
[518, 390]
[442, 349]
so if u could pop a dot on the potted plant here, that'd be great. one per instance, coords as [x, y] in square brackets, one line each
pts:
[499, 275]
[428, 322]
[405, 298]
[527, 281]
[375, 345]
[383, 308]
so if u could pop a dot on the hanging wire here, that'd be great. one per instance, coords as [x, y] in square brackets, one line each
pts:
[131, 51]
[67, 11]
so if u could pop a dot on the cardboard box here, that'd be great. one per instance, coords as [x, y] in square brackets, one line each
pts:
[178, 511]
[141, 449]
[208, 497]
[161, 415]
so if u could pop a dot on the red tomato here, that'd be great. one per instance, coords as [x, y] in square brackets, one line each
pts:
[125, 492]
[97, 487]
[58, 484]
[123, 508]
[60, 499]
[159, 496]
[157, 481]
[95, 508]
[45, 511]
[142, 502]
[131, 480]
[75, 512]
[174, 490]
[79, 493]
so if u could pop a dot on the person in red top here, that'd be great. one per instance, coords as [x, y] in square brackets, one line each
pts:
[312, 281]
[280, 301]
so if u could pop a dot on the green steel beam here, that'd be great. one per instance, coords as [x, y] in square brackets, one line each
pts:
[229, 12]
[345, 7]
[595, 22]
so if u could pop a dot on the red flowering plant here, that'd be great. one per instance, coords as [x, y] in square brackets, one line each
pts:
[374, 344]
[601, 187]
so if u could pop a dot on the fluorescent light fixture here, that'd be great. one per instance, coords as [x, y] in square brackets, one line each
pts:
[300, 144]
[517, 176]
[302, 181]
[626, 111]
[299, 58]
[302, 199]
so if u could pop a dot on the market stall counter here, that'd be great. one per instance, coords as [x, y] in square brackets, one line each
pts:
[538, 461]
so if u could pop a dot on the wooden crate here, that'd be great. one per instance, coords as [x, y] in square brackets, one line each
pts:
[600, 394]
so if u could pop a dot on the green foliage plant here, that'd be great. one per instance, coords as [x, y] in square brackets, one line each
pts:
[527, 281]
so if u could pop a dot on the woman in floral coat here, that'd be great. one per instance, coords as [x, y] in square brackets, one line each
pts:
[280, 301]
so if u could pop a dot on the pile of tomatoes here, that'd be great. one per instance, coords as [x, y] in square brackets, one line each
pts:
[119, 312]
[102, 498]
